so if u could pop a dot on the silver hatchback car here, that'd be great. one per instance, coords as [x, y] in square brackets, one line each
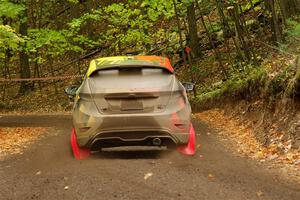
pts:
[131, 101]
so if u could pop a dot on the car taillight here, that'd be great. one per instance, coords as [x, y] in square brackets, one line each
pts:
[177, 121]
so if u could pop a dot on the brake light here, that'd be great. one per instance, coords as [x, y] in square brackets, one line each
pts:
[177, 121]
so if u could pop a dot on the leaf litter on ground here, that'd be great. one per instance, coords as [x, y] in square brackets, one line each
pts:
[278, 153]
[15, 140]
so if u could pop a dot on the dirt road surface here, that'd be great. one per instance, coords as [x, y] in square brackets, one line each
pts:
[47, 170]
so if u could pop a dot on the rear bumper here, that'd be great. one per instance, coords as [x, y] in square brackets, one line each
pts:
[135, 138]
[131, 129]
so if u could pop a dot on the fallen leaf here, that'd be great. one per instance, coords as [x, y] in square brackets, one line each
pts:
[211, 176]
[259, 193]
[148, 175]
[260, 154]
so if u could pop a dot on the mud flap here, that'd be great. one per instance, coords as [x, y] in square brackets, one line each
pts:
[190, 147]
[79, 153]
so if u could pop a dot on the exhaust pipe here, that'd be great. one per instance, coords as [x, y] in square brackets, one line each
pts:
[156, 141]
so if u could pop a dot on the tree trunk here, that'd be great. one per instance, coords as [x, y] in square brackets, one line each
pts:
[50, 60]
[283, 11]
[226, 29]
[270, 4]
[179, 31]
[193, 31]
[239, 29]
[216, 50]
[25, 86]
[37, 71]
[290, 7]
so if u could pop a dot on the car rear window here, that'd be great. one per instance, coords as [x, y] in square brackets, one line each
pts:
[131, 78]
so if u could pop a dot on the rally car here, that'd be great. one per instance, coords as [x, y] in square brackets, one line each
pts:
[131, 101]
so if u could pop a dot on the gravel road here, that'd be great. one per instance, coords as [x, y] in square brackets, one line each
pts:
[47, 170]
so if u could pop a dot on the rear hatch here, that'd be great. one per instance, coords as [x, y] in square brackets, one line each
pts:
[131, 90]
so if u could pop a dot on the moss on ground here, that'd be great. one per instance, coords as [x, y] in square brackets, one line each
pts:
[246, 84]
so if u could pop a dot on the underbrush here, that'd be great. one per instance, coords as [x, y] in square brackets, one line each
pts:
[275, 79]
[273, 76]
[242, 85]
[47, 100]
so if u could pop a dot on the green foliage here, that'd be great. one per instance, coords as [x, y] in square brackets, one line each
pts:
[11, 10]
[248, 5]
[215, 27]
[73, 1]
[128, 25]
[293, 28]
[77, 23]
[206, 6]
[9, 39]
[157, 8]
[246, 83]
[254, 82]
[56, 42]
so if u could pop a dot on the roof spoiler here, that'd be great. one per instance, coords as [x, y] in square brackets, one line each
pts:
[129, 61]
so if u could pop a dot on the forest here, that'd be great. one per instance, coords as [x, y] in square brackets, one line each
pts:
[236, 49]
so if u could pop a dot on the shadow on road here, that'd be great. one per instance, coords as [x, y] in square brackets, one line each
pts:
[36, 121]
[131, 154]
